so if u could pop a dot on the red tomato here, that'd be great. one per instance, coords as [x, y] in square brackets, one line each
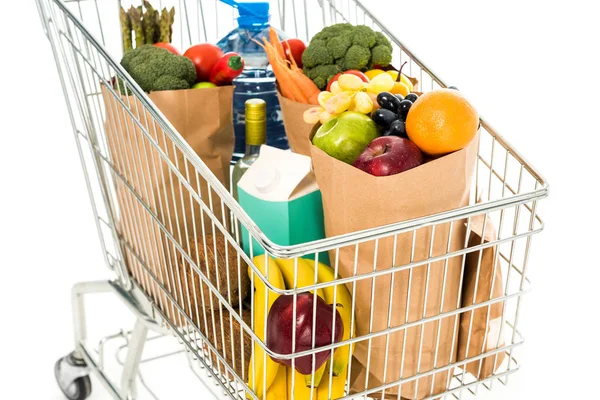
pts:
[204, 56]
[350, 71]
[168, 46]
[293, 49]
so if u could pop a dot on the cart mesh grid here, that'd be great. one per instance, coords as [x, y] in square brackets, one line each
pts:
[135, 214]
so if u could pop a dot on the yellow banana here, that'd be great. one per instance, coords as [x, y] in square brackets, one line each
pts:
[299, 390]
[337, 387]
[305, 276]
[279, 390]
[318, 376]
[343, 301]
[266, 369]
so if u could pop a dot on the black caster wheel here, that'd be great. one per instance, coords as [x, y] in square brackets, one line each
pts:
[73, 378]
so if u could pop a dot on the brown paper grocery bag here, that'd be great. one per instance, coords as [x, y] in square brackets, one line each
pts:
[203, 119]
[354, 200]
[477, 332]
[296, 129]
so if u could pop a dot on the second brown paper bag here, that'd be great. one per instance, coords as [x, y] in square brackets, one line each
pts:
[147, 164]
[296, 130]
[354, 200]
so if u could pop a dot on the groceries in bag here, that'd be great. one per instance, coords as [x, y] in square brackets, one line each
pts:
[280, 194]
[334, 318]
[257, 79]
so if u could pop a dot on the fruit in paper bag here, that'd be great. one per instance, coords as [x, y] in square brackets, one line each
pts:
[203, 85]
[280, 328]
[345, 136]
[389, 155]
[442, 121]
[354, 72]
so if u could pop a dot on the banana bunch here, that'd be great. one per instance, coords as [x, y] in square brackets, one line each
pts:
[274, 381]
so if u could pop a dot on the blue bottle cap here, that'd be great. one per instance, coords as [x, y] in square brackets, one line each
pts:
[251, 13]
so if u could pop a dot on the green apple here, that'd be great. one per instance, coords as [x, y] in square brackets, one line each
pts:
[346, 135]
[202, 85]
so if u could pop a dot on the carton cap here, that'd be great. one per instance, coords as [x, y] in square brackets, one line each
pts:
[266, 179]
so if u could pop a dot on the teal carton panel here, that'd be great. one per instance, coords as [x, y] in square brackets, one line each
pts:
[285, 222]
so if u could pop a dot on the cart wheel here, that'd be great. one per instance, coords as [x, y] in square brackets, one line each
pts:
[73, 377]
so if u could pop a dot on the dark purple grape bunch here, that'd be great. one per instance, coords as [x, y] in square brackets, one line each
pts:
[391, 117]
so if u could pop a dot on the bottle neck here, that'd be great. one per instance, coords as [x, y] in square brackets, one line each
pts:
[252, 149]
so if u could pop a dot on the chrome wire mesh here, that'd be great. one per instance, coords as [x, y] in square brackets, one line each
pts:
[143, 178]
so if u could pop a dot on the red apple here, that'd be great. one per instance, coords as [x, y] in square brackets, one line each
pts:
[350, 71]
[280, 325]
[389, 155]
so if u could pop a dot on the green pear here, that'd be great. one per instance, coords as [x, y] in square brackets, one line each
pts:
[345, 136]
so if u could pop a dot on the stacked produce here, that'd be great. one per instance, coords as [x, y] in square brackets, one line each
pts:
[336, 49]
[332, 313]
[156, 65]
[365, 124]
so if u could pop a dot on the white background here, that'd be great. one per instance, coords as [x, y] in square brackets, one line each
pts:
[531, 68]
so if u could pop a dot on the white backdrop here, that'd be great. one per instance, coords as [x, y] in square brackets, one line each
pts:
[529, 67]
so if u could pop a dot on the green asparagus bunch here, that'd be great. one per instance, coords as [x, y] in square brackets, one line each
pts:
[148, 25]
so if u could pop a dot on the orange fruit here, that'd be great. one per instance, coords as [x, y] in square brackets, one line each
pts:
[442, 121]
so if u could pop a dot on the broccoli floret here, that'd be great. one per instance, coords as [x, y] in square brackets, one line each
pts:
[363, 36]
[316, 54]
[170, 82]
[357, 57]
[341, 47]
[156, 69]
[381, 55]
[321, 74]
[332, 31]
[382, 40]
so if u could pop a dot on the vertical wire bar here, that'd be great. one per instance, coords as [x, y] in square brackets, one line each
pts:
[314, 328]
[227, 266]
[201, 11]
[192, 271]
[99, 22]
[389, 317]
[440, 321]
[458, 302]
[523, 275]
[175, 228]
[424, 313]
[187, 22]
[376, 251]
[474, 301]
[407, 313]
[295, 324]
[202, 280]
[352, 318]
[295, 18]
[495, 267]
[510, 260]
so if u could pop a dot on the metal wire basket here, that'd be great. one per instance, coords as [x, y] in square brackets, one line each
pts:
[86, 42]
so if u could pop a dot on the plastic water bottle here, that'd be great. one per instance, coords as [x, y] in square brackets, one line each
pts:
[257, 80]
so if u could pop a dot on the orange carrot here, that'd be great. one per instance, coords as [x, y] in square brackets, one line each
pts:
[293, 61]
[294, 86]
[274, 39]
[308, 87]
[284, 78]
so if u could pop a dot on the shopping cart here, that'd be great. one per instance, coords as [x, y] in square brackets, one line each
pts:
[86, 42]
